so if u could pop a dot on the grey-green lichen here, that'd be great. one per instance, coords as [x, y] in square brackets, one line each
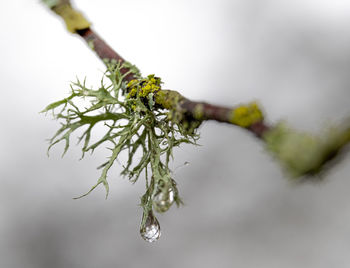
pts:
[134, 123]
[303, 153]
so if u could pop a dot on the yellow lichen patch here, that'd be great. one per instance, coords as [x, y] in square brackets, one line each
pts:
[132, 88]
[246, 115]
[143, 87]
[74, 20]
[132, 93]
[133, 83]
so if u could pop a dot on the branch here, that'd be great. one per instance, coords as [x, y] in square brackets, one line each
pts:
[192, 110]
[300, 153]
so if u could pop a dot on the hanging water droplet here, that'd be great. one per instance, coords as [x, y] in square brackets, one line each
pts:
[163, 200]
[150, 228]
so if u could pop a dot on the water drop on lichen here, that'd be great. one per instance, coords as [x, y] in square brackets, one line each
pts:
[150, 228]
[162, 201]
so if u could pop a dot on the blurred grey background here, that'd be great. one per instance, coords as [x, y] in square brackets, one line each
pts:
[240, 210]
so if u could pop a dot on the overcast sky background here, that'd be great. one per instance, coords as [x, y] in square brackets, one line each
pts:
[240, 210]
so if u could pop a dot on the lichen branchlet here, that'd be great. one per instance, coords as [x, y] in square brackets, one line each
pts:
[134, 123]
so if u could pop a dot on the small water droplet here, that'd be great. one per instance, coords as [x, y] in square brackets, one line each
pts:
[186, 163]
[150, 231]
[162, 201]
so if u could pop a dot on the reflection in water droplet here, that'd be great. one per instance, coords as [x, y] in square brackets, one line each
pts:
[163, 201]
[151, 229]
